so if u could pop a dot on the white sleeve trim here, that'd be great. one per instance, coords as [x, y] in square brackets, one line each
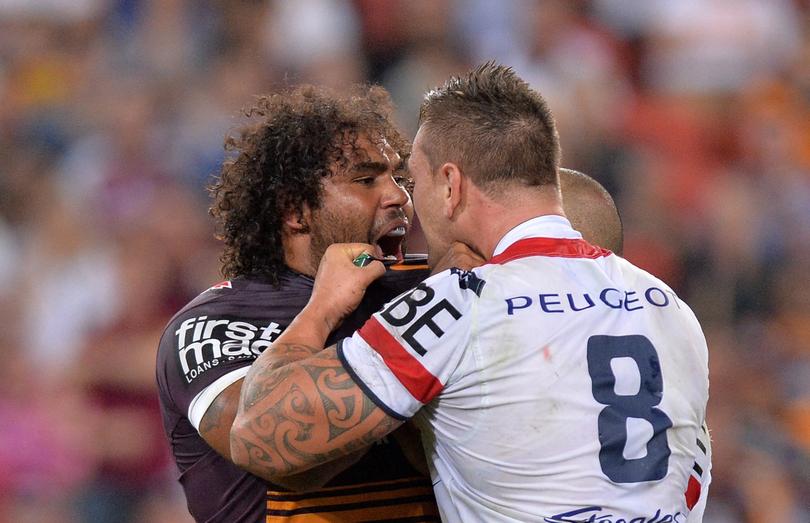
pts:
[199, 405]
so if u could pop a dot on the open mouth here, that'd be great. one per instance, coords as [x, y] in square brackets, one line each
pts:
[391, 243]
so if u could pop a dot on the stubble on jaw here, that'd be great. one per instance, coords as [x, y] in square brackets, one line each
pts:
[329, 227]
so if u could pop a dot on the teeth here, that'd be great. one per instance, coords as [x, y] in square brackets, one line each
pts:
[390, 257]
[399, 231]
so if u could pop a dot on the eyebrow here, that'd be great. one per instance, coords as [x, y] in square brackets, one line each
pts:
[379, 167]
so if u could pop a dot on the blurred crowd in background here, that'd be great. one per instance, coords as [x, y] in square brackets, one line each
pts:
[695, 115]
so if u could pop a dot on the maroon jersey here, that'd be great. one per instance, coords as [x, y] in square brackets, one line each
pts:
[212, 341]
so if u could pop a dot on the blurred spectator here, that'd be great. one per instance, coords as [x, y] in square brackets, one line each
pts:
[115, 375]
[695, 115]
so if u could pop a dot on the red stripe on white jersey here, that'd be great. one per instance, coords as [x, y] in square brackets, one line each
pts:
[692, 492]
[554, 247]
[419, 381]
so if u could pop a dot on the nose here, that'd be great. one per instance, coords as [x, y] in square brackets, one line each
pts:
[394, 195]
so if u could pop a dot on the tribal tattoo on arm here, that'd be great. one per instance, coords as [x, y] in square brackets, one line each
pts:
[296, 416]
[215, 426]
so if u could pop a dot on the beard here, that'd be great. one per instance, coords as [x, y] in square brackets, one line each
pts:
[329, 227]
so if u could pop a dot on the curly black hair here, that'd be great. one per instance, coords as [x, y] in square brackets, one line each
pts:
[279, 162]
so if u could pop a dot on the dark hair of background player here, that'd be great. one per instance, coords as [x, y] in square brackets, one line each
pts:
[491, 124]
[295, 140]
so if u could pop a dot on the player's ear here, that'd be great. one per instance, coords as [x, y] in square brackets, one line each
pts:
[451, 177]
[297, 220]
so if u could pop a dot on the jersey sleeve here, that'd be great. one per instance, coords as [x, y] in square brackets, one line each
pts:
[405, 354]
[700, 478]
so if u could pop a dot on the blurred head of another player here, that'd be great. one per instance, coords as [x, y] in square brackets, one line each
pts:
[591, 210]
[486, 143]
[312, 168]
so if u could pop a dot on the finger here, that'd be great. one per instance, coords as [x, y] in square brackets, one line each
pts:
[375, 269]
[353, 250]
[365, 259]
[370, 264]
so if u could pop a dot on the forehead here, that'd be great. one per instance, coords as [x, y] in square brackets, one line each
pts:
[420, 136]
[418, 149]
[364, 149]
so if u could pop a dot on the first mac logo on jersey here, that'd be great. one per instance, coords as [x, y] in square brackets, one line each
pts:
[204, 343]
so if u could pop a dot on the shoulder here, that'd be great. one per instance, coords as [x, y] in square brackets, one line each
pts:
[223, 330]
[240, 296]
[642, 279]
[236, 311]
[464, 284]
[451, 292]
[456, 281]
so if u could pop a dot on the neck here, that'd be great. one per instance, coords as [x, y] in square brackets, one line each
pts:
[503, 213]
[297, 254]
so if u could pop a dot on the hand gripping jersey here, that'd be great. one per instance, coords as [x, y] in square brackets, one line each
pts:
[209, 345]
[557, 383]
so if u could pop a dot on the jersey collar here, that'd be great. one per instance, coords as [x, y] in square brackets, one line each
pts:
[548, 235]
[548, 226]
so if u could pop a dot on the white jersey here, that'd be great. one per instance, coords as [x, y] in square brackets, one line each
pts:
[556, 383]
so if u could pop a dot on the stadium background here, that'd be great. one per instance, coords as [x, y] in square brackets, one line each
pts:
[696, 116]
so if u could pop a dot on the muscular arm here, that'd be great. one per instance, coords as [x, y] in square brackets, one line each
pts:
[294, 416]
[301, 415]
[215, 428]
[216, 423]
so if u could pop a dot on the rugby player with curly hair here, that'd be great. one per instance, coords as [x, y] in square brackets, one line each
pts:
[311, 168]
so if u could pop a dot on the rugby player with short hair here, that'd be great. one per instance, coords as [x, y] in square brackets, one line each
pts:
[311, 169]
[557, 382]
[591, 210]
